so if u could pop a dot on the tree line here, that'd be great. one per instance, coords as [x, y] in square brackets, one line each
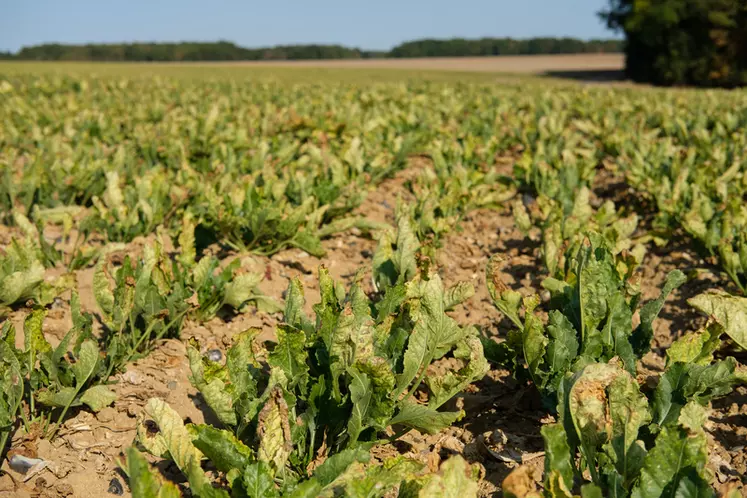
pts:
[683, 42]
[227, 51]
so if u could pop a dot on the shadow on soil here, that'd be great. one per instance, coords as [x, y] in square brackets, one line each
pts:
[588, 75]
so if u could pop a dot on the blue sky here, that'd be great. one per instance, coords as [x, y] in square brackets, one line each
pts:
[373, 24]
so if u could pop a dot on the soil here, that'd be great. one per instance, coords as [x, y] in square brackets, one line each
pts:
[526, 64]
[503, 418]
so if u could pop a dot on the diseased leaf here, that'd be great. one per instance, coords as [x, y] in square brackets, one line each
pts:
[212, 387]
[446, 386]
[161, 431]
[34, 340]
[101, 289]
[728, 311]
[273, 431]
[452, 481]
[98, 397]
[520, 483]
[65, 396]
[629, 412]
[697, 347]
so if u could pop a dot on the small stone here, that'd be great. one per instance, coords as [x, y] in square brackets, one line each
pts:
[214, 355]
[115, 487]
[22, 464]
[132, 377]
[172, 385]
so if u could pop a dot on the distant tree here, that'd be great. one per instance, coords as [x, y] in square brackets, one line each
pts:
[459, 47]
[227, 51]
[676, 42]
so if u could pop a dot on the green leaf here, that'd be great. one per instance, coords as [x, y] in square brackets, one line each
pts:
[61, 398]
[591, 491]
[144, 483]
[336, 464]
[728, 311]
[424, 418]
[360, 396]
[563, 344]
[221, 447]
[643, 334]
[618, 329]
[674, 453]
[534, 345]
[290, 355]
[259, 482]
[98, 397]
[88, 358]
[597, 282]
[506, 300]
[557, 454]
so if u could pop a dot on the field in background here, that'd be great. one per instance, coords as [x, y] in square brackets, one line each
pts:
[592, 67]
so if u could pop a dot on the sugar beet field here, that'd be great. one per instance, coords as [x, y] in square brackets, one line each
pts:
[257, 282]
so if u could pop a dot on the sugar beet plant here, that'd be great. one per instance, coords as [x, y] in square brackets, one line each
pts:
[590, 320]
[614, 438]
[563, 229]
[330, 388]
[40, 383]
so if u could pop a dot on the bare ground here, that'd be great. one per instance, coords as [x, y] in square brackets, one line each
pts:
[526, 64]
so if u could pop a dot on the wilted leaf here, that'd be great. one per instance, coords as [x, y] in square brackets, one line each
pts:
[729, 311]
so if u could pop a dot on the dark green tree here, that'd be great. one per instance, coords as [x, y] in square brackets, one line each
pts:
[683, 42]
